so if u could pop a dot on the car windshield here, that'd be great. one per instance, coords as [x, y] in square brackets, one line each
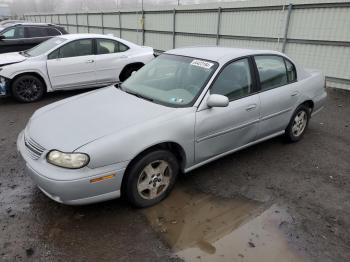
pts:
[45, 46]
[171, 80]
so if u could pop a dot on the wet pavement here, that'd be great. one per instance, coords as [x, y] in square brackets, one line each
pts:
[271, 202]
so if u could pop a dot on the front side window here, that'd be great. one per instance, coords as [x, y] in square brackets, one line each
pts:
[14, 33]
[107, 46]
[82, 47]
[171, 80]
[45, 46]
[272, 71]
[234, 81]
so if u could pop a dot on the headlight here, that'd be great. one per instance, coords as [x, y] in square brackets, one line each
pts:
[67, 160]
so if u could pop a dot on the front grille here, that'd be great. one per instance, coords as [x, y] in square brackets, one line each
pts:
[33, 148]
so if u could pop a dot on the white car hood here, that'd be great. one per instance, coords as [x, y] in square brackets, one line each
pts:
[74, 123]
[11, 58]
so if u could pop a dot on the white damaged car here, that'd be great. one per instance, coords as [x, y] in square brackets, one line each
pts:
[72, 61]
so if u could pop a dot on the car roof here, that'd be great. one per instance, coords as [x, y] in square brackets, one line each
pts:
[31, 23]
[218, 54]
[80, 36]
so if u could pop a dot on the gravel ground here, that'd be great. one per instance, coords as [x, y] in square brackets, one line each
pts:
[309, 179]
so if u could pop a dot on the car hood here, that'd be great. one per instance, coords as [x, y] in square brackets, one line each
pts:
[78, 121]
[11, 58]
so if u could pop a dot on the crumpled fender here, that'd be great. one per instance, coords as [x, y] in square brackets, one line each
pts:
[4, 86]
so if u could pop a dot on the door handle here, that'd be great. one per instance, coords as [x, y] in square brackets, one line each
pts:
[251, 107]
[295, 93]
[90, 61]
[123, 56]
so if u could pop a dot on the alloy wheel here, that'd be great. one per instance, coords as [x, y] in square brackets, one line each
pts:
[154, 179]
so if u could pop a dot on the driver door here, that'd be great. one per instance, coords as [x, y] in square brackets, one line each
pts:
[222, 129]
[12, 39]
[72, 65]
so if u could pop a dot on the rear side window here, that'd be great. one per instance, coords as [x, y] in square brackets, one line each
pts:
[82, 47]
[291, 72]
[35, 31]
[107, 46]
[234, 81]
[272, 71]
[52, 31]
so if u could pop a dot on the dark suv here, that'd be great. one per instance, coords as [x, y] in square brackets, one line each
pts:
[23, 36]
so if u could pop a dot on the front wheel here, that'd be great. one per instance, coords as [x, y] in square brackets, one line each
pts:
[298, 124]
[151, 178]
[28, 88]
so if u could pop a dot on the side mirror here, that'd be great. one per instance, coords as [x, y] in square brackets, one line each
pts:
[2, 37]
[215, 100]
[133, 73]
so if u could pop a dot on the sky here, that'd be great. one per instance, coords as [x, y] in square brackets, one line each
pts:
[29, 6]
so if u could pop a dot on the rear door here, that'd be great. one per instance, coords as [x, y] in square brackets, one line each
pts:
[72, 65]
[111, 57]
[278, 94]
[222, 129]
[13, 39]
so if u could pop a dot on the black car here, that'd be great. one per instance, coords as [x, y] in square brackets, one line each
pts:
[23, 36]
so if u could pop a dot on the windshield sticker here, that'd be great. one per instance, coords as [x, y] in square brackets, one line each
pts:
[176, 100]
[201, 63]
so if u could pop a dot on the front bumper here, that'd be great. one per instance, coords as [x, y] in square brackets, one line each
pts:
[4, 86]
[80, 189]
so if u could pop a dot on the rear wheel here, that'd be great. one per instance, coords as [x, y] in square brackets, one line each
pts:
[28, 88]
[151, 178]
[298, 124]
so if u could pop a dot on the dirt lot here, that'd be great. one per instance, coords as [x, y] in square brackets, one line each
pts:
[270, 202]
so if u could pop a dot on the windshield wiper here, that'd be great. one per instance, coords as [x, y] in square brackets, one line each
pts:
[138, 95]
[24, 53]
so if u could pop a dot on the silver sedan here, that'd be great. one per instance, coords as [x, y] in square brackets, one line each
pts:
[184, 109]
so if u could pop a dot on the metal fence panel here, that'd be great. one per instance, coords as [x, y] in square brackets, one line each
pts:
[114, 32]
[82, 19]
[71, 19]
[132, 36]
[333, 60]
[201, 23]
[321, 24]
[111, 20]
[55, 19]
[251, 44]
[62, 19]
[191, 40]
[158, 41]
[268, 23]
[131, 21]
[83, 29]
[159, 21]
[95, 20]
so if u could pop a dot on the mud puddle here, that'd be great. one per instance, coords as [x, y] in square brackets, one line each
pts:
[201, 227]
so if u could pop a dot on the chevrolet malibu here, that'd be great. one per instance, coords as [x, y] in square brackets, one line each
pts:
[182, 110]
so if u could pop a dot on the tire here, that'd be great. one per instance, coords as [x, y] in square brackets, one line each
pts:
[127, 71]
[144, 188]
[28, 88]
[298, 124]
